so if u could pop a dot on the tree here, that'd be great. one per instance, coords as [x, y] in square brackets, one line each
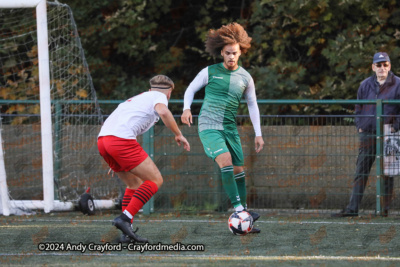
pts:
[319, 49]
[312, 50]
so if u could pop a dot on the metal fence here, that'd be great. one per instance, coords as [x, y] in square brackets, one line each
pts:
[307, 164]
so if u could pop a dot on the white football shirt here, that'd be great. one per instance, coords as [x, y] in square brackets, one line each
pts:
[135, 116]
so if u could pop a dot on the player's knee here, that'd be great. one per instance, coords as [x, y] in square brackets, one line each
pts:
[224, 160]
[225, 163]
[237, 170]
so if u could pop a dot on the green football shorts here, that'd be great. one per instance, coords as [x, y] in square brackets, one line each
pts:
[216, 142]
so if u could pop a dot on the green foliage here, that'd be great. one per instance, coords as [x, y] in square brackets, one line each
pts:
[301, 50]
[326, 46]
[304, 49]
[125, 39]
[319, 49]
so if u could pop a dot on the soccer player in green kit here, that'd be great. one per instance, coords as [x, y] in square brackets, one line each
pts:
[225, 84]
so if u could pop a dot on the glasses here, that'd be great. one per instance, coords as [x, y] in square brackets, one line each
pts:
[378, 65]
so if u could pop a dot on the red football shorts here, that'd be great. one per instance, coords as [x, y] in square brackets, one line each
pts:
[122, 155]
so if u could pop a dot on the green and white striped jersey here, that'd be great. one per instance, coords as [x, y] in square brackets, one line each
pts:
[223, 91]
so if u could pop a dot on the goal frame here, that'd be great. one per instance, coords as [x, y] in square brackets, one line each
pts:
[45, 105]
[48, 203]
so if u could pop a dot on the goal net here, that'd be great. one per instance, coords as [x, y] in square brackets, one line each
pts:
[73, 162]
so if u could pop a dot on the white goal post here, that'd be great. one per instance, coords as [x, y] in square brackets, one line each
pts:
[48, 203]
[45, 105]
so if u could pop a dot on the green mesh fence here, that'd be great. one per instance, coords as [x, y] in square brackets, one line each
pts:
[304, 166]
[307, 165]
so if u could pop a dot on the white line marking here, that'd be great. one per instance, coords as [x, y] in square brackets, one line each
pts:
[216, 257]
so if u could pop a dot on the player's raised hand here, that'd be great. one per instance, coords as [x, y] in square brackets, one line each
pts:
[180, 139]
[259, 142]
[186, 117]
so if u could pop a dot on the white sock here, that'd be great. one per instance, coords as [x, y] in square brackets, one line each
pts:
[239, 208]
[128, 214]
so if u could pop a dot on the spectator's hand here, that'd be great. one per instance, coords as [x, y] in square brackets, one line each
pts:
[360, 130]
[186, 117]
[180, 139]
[392, 130]
[259, 142]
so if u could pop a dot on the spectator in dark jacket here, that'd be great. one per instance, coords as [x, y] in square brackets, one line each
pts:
[383, 84]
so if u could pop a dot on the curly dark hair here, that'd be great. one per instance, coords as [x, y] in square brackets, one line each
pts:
[232, 33]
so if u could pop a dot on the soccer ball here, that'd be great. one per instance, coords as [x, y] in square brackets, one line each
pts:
[240, 223]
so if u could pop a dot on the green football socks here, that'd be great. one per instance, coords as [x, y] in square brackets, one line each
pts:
[240, 179]
[230, 186]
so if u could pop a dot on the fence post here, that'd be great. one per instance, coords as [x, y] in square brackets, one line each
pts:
[148, 146]
[379, 156]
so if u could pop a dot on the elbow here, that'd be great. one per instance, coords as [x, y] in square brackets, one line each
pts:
[162, 110]
[163, 113]
[164, 117]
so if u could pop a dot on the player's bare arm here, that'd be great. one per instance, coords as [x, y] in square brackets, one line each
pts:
[186, 117]
[169, 121]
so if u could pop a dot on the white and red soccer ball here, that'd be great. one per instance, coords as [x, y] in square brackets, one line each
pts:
[240, 223]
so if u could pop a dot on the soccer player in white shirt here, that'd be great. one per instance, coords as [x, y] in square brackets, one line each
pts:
[118, 146]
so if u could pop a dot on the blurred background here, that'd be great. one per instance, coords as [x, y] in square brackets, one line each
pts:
[300, 49]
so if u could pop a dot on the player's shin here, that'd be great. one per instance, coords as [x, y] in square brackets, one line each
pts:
[140, 197]
[127, 198]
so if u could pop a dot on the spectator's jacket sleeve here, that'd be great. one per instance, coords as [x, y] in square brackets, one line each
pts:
[396, 122]
[358, 107]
